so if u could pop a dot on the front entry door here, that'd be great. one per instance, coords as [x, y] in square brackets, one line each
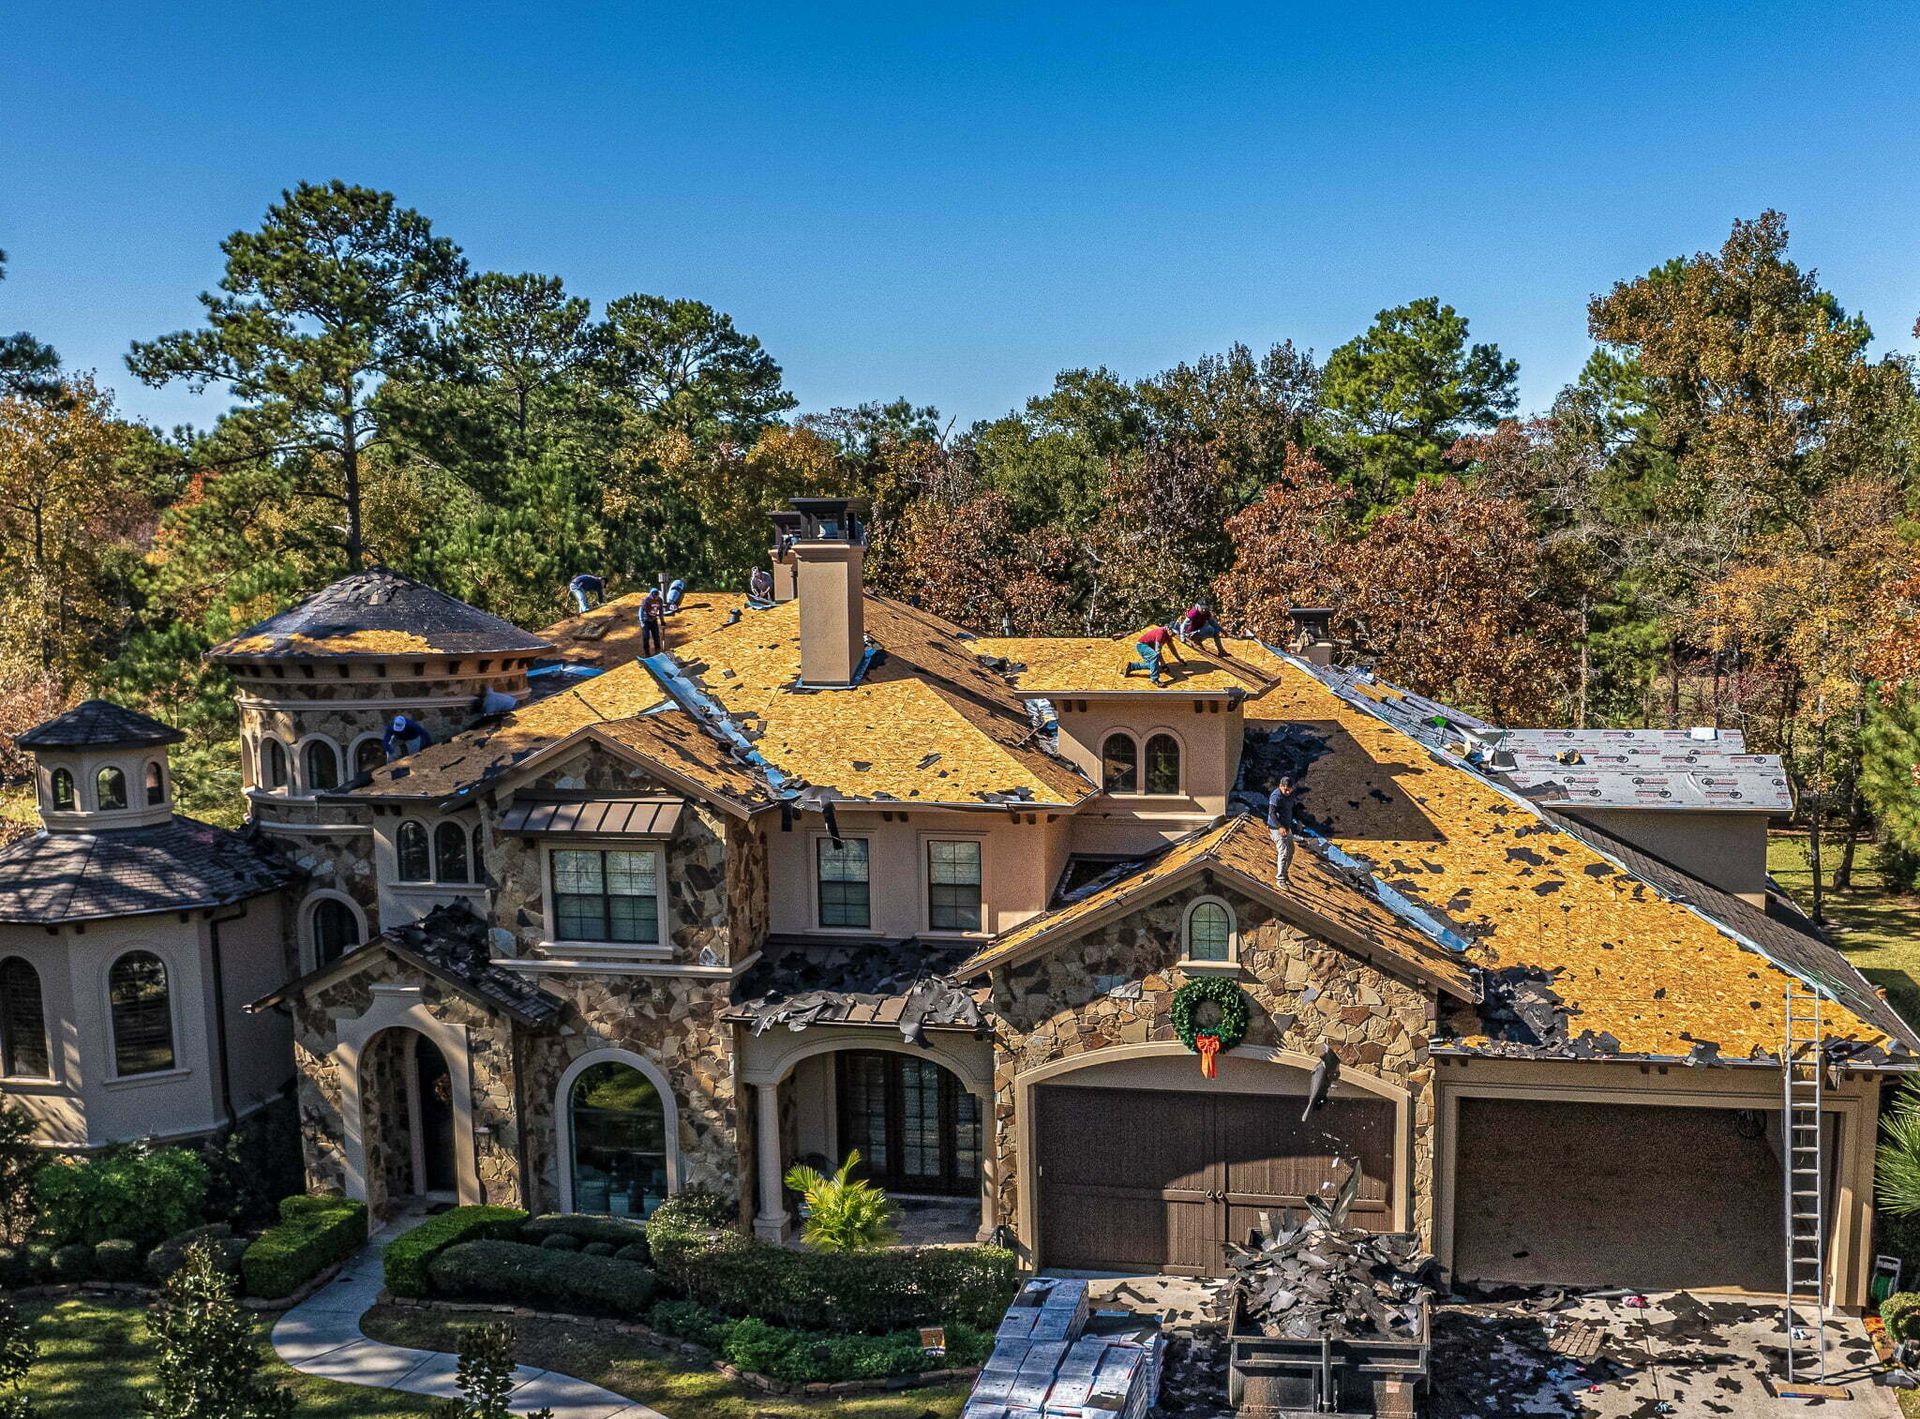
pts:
[1160, 1180]
[916, 1126]
[435, 1119]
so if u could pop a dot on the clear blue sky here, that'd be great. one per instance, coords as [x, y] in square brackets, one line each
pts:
[953, 203]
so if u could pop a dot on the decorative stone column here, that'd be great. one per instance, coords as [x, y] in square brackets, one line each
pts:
[770, 1225]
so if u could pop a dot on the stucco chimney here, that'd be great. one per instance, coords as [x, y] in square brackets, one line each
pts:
[786, 529]
[828, 554]
[1312, 633]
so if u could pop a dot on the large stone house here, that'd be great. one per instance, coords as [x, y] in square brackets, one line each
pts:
[830, 873]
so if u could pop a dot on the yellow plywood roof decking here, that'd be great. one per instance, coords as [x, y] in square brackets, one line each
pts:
[1093, 665]
[1241, 850]
[1628, 962]
[608, 636]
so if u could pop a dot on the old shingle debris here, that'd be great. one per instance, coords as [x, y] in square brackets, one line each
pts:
[1322, 1279]
[904, 984]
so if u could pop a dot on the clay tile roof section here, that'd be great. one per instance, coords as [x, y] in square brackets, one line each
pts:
[1091, 665]
[1320, 891]
[1643, 963]
[378, 613]
[98, 724]
[181, 865]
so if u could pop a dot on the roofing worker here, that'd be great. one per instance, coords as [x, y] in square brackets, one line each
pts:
[1152, 643]
[674, 594]
[1281, 805]
[1198, 625]
[406, 735]
[588, 590]
[653, 631]
[760, 584]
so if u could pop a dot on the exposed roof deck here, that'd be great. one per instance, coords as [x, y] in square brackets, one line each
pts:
[376, 614]
[1094, 665]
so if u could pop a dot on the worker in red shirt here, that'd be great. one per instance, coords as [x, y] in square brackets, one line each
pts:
[1198, 626]
[1152, 643]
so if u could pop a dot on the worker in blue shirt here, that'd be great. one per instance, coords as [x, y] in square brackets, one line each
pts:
[1280, 810]
[406, 735]
[587, 589]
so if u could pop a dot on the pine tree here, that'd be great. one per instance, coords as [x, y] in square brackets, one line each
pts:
[209, 1366]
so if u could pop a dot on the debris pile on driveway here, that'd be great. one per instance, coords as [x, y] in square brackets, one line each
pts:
[1319, 1280]
[1053, 1359]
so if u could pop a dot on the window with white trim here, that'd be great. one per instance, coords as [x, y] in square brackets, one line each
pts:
[1210, 931]
[608, 895]
[322, 763]
[844, 883]
[156, 783]
[334, 928]
[368, 755]
[141, 1010]
[276, 764]
[953, 885]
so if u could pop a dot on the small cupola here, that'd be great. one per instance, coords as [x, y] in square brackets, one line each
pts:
[829, 549]
[1312, 638]
[100, 765]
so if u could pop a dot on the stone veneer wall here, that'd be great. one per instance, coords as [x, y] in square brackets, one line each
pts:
[1055, 1007]
[490, 1049]
[342, 861]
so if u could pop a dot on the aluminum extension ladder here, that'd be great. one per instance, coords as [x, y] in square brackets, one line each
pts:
[1802, 1074]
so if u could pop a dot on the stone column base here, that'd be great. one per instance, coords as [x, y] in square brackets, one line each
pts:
[772, 1229]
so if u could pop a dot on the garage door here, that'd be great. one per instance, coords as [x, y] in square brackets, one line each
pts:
[1652, 1197]
[1158, 1180]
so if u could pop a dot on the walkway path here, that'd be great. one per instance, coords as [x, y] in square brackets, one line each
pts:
[321, 1336]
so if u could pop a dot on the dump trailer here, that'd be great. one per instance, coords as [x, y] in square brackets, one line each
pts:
[1361, 1377]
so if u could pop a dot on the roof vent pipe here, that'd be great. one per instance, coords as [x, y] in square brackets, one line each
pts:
[829, 554]
[786, 531]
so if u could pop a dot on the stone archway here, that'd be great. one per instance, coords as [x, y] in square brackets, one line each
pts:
[380, 1077]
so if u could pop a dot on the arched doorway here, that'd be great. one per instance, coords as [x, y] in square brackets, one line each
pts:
[409, 1119]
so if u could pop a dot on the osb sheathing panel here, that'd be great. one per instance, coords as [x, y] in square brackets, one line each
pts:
[1091, 665]
[674, 741]
[927, 724]
[345, 643]
[1626, 961]
[609, 635]
[1243, 848]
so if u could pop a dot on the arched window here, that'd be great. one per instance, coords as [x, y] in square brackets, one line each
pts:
[63, 790]
[479, 870]
[416, 861]
[142, 1014]
[335, 931]
[450, 853]
[109, 789]
[1120, 764]
[322, 765]
[1209, 932]
[23, 1022]
[276, 764]
[156, 783]
[368, 756]
[1163, 764]
[619, 1132]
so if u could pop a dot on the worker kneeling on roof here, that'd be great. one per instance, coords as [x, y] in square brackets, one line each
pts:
[406, 735]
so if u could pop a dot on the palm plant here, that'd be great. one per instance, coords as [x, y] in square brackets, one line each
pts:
[843, 1213]
[1897, 1164]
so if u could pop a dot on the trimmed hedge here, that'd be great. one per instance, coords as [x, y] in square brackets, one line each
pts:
[809, 1357]
[533, 1275]
[1900, 1312]
[166, 1258]
[864, 1293]
[117, 1260]
[587, 1228]
[408, 1256]
[559, 1241]
[312, 1234]
[73, 1262]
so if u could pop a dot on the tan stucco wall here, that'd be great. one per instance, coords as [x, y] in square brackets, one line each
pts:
[1728, 850]
[1210, 735]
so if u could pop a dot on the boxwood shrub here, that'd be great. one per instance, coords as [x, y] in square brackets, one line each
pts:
[134, 1192]
[116, 1259]
[312, 1234]
[560, 1241]
[408, 1256]
[543, 1277]
[808, 1356]
[72, 1262]
[166, 1258]
[1900, 1313]
[586, 1228]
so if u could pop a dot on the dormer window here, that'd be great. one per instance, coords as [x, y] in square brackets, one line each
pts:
[1210, 932]
[156, 784]
[1120, 764]
[109, 789]
[63, 799]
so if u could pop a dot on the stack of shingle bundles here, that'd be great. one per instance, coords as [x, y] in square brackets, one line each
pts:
[1106, 1377]
[1032, 1341]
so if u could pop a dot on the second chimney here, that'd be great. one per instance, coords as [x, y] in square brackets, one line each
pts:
[828, 554]
[1312, 633]
[786, 531]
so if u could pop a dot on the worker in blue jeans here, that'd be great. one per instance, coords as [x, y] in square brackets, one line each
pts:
[1152, 643]
[653, 626]
[587, 589]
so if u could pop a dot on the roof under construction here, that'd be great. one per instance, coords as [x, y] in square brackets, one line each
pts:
[1702, 769]
[608, 636]
[1092, 665]
[375, 614]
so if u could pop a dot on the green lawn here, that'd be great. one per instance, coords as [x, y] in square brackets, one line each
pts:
[95, 1362]
[1880, 932]
[666, 1382]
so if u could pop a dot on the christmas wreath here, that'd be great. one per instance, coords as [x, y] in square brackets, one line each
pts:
[1210, 1015]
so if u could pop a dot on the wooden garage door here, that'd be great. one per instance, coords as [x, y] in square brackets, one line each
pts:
[1655, 1197]
[1157, 1180]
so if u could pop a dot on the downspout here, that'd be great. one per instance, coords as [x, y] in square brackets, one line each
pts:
[220, 1016]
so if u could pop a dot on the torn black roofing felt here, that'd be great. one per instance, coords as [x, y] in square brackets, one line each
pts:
[450, 943]
[180, 865]
[381, 600]
[904, 984]
[98, 724]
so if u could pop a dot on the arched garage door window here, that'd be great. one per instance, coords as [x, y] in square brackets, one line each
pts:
[619, 1129]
